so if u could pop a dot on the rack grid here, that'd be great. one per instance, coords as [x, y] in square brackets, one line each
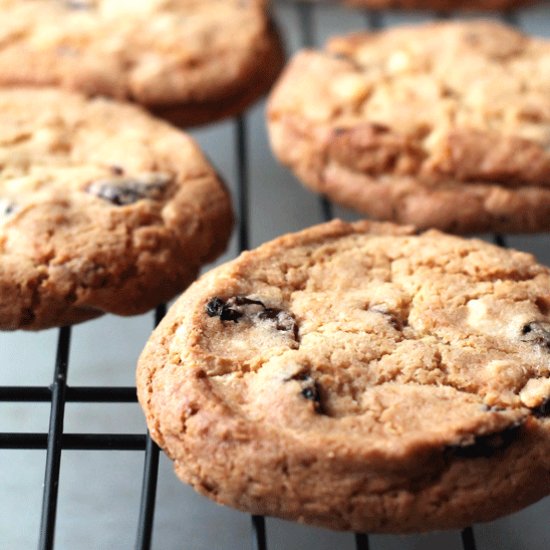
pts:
[55, 441]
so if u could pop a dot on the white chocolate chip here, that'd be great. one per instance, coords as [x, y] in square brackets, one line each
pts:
[399, 62]
[350, 87]
[535, 392]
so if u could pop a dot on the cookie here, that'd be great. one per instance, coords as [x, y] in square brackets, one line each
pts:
[444, 125]
[443, 5]
[102, 209]
[359, 377]
[191, 62]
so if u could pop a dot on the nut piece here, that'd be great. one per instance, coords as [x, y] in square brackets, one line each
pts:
[122, 191]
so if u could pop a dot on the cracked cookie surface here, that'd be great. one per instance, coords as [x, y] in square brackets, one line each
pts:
[444, 125]
[102, 209]
[407, 389]
[189, 61]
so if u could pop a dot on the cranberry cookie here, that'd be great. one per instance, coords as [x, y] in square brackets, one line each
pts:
[444, 125]
[102, 209]
[189, 61]
[359, 377]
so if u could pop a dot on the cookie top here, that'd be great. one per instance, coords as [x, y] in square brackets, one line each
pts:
[445, 5]
[191, 61]
[443, 125]
[102, 209]
[361, 377]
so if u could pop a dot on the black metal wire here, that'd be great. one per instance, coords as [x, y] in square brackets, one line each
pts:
[25, 394]
[361, 541]
[75, 442]
[468, 541]
[83, 394]
[500, 240]
[259, 539]
[242, 181]
[150, 478]
[148, 495]
[160, 312]
[327, 209]
[53, 455]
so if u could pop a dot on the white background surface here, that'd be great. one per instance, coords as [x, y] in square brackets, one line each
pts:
[99, 491]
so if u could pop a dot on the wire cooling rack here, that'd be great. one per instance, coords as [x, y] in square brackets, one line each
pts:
[59, 393]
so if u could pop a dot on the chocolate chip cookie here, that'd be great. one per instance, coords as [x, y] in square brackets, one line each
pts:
[102, 209]
[359, 377]
[444, 125]
[189, 61]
